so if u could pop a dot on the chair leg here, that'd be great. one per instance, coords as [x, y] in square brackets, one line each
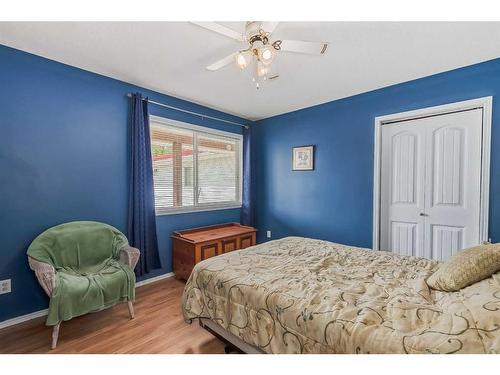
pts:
[131, 310]
[55, 335]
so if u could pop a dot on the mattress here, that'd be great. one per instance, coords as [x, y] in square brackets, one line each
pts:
[301, 295]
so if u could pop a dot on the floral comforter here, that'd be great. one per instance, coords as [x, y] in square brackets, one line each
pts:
[300, 295]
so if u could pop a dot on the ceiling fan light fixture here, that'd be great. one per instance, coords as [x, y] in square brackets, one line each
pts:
[259, 56]
[266, 55]
[262, 70]
[241, 60]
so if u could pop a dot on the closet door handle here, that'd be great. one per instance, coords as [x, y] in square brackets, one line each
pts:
[423, 214]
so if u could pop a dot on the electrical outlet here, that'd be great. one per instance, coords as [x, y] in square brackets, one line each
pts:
[5, 286]
[268, 234]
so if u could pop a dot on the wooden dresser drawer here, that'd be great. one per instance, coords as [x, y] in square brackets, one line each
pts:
[208, 250]
[247, 240]
[230, 244]
[191, 246]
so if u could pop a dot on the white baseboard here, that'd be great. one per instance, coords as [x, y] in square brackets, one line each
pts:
[153, 279]
[40, 313]
[23, 318]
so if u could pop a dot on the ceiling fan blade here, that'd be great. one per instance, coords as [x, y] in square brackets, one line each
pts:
[222, 62]
[223, 30]
[313, 48]
[269, 26]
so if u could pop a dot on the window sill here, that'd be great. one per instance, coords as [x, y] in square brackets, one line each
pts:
[188, 210]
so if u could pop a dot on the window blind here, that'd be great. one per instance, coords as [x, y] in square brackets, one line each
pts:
[194, 169]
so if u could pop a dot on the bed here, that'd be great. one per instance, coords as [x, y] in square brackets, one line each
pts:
[301, 295]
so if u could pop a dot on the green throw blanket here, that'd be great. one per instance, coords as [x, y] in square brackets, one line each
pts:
[89, 276]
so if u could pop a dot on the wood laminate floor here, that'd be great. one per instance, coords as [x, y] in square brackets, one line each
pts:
[158, 327]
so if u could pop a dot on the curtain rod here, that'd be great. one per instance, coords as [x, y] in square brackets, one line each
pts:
[190, 112]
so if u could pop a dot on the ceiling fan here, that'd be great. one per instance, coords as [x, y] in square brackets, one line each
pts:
[261, 50]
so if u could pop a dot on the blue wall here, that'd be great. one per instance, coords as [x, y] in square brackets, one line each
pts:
[334, 202]
[63, 157]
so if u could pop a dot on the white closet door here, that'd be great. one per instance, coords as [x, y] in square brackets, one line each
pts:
[430, 185]
[402, 188]
[453, 183]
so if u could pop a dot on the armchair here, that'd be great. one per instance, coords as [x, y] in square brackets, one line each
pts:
[83, 267]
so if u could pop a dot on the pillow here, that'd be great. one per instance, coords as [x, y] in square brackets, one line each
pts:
[466, 267]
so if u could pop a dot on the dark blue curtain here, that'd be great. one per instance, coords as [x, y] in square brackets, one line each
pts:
[247, 209]
[141, 209]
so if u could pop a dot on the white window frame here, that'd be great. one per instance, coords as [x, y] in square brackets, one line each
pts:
[204, 206]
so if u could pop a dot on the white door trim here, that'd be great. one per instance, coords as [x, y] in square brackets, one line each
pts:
[485, 103]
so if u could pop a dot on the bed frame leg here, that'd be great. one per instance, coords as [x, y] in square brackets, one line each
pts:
[55, 335]
[228, 348]
[131, 310]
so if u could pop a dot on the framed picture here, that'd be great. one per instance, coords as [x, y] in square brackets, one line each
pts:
[303, 158]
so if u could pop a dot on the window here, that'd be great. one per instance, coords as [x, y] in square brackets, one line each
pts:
[194, 168]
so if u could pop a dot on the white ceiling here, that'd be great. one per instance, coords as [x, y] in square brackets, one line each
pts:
[170, 57]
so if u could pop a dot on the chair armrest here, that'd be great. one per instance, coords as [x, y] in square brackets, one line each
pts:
[45, 273]
[130, 256]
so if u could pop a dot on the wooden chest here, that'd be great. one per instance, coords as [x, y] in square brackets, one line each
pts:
[191, 246]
